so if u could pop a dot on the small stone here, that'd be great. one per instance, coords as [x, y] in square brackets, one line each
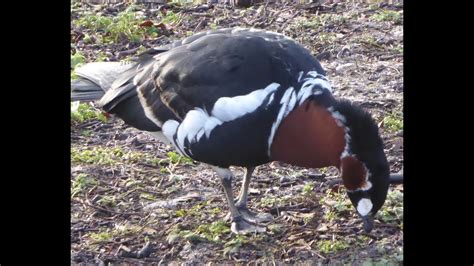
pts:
[343, 68]
[284, 179]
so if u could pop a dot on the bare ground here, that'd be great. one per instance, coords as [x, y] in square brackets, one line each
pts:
[133, 202]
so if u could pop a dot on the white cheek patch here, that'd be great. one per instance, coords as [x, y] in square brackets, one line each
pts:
[364, 206]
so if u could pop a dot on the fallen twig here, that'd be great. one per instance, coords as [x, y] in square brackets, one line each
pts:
[277, 210]
[107, 210]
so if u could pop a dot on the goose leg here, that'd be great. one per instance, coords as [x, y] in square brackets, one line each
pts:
[239, 224]
[241, 203]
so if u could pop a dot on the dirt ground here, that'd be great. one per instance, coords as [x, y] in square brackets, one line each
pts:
[135, 201]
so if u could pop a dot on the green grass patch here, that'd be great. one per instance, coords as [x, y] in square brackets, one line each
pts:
[82, 182]
[388, 15]
[307, 23]
[97, 155]
[308, 188]
[101, 237]
[321, 20]
[148, 196]
[77, 60]
[83, 112]
[326, 38]
[109, 234]
[336, 205]
[176, 158]
[124, 26]
[110, 156]
[213, 231]
[337, 201]
[86, 133]
[393, 121]
[170, 18]
[234, 244]
[392, 210]
[397, 49]
[272, 201]
[107, 201]
[331, 246]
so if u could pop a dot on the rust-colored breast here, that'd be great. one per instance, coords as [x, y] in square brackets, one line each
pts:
[353, 173]
[309, 137]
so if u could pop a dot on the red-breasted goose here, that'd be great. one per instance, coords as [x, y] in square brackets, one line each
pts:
[244, 97]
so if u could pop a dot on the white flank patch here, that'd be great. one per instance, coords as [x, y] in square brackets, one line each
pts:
[198, 122]
[211, 123]
[364, 206]
[169, 129]
[271, 99]
[300, 76]
[147, 109]
[191, 124]
[291, 103]
[286, 96]
[200, 134]
[231, 108]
